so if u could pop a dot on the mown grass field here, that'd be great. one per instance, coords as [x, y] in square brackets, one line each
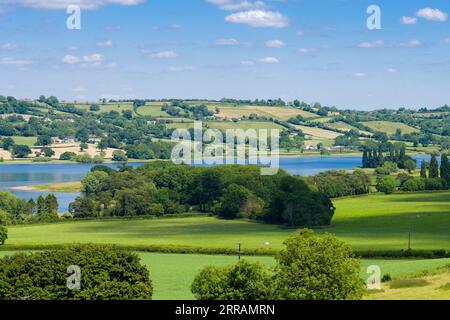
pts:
[172, 274]
[318, 132]
[224, 125]
[28, 141]
[389, 127]
[374, 222]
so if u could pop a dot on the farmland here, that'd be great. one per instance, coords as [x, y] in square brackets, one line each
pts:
[363, 222]
[389, 127]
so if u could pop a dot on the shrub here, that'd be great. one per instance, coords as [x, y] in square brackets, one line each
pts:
[3, 234]
[68, 156]
[41, 159]
[414, 184]
[434, 184]
[243, 281]
[119, 156]
[387, 184]
[317, 267]
[386, 278]
[107, 273]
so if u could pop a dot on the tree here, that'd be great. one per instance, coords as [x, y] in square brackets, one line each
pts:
[21, 151]
[68, 156]
[317, 267]
[243, 281]
[107, 273]
[94, 107]
[434, 167]
[423, 169]
[445, 169]
[119, 156]
[92, 181]
[410, 165]
[3, 231]
[40, 205]
[235, 196]
[44, 140]
[387, 184]
[48, 152]
[51, 204]
[83, 146]
[7, 143]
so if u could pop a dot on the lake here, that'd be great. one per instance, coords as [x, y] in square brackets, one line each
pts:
[30, 174]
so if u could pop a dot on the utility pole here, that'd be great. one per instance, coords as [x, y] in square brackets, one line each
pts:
[239, 252]
[409, 239]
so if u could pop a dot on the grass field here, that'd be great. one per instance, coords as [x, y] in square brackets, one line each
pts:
[28, 141]
[58, 187]
[389, 127]
[375, 222]
[280, 113]
[172, 274]
[318, 132]
[152, 110]
[223, 125]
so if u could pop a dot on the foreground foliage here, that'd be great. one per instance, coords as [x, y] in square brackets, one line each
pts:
[106, 274]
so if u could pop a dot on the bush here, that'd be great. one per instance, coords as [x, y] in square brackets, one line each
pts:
[119, 156]
[243, 281]
[68, 156]
[414, 184]
[434, 184]
[386, 277]
[317, 267]
[107, 273]
[3, 234]
[41, 159]
[387, 184]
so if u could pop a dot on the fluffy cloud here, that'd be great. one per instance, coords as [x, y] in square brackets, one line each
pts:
[392, 70]
[227, 42]
[373, 44]
[106, 43]
[88, 60]
[408, 20]
[275, 44]
[307, 50]
[164, 55]
[432, 14]
[259, 19]
[63, 4]
[359, 75]
[234, 5]
[269, 60]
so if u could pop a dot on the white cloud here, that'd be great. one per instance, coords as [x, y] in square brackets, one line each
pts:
[106, 43]
[269, 60]
[446, 40]
[15, 62]
[359, 75]
[373, 44]
[408, 20]
[392, 70]
[300, 33]
[72, 48]
[227, 42]
[411, 43]
[432, 14]
[9, 46]
[70, 59]
[94, 59]
[259, 19]
[275, 44]
[164, 55]
[63, 4]
[234, 5]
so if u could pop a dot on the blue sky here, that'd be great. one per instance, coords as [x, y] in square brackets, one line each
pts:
[313, 50]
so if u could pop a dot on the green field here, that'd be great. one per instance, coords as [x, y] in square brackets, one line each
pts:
[172, 274]
[389, 127]
[375, 222]
[28, 141]
[223, 125]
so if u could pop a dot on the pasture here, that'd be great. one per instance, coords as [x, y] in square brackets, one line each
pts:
[318, 132]
[374, 222]
[280, 113]
[389, 127]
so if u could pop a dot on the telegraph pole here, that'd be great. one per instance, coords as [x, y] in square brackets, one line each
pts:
[239, 252]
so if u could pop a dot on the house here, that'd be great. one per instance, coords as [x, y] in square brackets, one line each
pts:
[69, 139]
[56, 140]
[93, 139]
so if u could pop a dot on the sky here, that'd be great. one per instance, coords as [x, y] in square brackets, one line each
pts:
[311, 50]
